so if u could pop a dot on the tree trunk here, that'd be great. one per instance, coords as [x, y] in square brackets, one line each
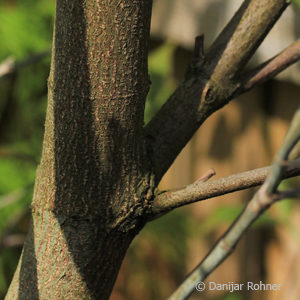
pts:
[94, 181]
[95, 185]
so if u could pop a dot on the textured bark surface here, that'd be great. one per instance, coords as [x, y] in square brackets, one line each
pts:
[96, 181]
[211, 82]
[93, 179]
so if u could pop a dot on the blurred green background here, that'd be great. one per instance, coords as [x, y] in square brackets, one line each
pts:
[25, 32]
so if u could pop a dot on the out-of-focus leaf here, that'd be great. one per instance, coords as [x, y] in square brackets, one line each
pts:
[297, 2]
[232, 296]
[225, 215]
[14, 174]
[175, 230]
[222, 215]
[25, 27]
[162, 85]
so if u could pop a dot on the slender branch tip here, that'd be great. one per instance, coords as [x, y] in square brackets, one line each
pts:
[206, 176]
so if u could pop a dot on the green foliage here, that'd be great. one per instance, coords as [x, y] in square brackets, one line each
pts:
[297, 2]
[221, 215]
[160, 70]
[163, 245]
[232, 296]
[226, 214]
[26, 27]
[175, 229]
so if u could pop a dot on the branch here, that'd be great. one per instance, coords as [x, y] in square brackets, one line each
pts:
[195, 192]
[292, 194]
[12, 240]
[7, 66]
[291, 139]
[10, 65]
[242, 36]
[263, 199]
[211, 82]
[11, 198]
[270, 68]
[295, 153]
[9, 238]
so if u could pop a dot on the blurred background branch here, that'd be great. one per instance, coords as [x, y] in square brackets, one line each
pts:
[262, 200]
[10, 65]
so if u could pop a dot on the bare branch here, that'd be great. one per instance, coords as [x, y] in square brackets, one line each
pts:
[10, 65]
[271, 68]
[295, 153]
[262, 200]
[7, 66]
[206, 176]
[195, 192]
[291, 139]
[8, 237]
[292, 193]
[12, 240]
[242, 36]
[210, 82]
[11, 198]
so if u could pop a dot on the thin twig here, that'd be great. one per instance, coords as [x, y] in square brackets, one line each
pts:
[206, 176]
[295, 153]
[291, 139]
[292, 194]
[199, 191]
[11, 228]
[7, 66]
[10, 65]
[271, 68]
[263, 199]
[11, 198]
[12, 240]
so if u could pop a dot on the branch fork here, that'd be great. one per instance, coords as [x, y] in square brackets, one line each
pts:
[266, 196]
[215, 78]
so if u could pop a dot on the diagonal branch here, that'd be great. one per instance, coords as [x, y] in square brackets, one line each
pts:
[242, 36]
[10, 65]
[210, 82]
[291, 139]
[195, 192]
[262, 200]
[270, 68]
